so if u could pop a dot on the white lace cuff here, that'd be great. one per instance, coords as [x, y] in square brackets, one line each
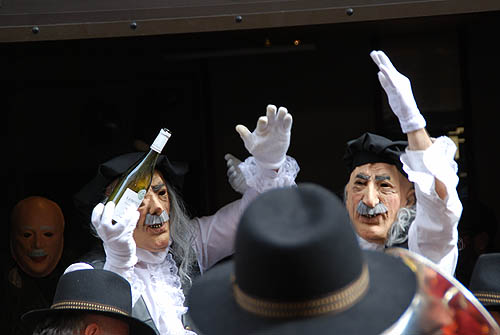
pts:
[262, 179]
[422, 166]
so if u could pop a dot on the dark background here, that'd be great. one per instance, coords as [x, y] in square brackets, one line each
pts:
[73, 104]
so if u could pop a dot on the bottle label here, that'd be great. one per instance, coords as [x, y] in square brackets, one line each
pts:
[129, 199]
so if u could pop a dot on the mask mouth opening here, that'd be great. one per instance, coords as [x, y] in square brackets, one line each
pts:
[156, 221]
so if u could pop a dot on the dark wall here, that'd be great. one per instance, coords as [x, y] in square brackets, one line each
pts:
[73, 104]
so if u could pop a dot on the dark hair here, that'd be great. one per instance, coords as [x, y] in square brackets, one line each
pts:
[65, 323]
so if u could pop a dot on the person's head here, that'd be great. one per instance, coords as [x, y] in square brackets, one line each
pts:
[88, 302]
[71, 323]
[298, 269]
[37, 235]
[378, 193]
[154, 236]
[162, 207]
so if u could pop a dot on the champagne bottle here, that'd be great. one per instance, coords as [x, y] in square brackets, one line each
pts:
[135, 182]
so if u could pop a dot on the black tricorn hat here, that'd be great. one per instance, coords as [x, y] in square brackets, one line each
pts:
[371, 148]
[485, 280]
[93, 192]
[91, 291]
[298, 269]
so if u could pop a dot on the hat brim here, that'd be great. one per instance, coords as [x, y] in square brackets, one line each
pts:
[392, 288]
[136, 326]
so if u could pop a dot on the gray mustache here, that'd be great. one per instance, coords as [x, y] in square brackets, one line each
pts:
[156, 219]
[37, 253]
[363, 209]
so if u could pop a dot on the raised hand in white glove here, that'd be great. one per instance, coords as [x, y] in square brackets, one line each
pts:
[270, 140]
[234, 175]
[399, 93]
[118, 240]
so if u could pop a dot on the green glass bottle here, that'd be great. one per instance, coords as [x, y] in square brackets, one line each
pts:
[135, 182]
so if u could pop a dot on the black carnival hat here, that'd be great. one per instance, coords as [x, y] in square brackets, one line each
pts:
[371, 148]
[93, 192]
[298, 269]
[91, 291]
[485, 280]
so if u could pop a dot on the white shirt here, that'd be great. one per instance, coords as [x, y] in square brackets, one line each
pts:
[155, 275]
[434, 232]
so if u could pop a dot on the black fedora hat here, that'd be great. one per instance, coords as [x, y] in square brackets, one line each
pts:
[372, 148]
[93, 192]
[298, 269]
[91, 291]
[485, 280]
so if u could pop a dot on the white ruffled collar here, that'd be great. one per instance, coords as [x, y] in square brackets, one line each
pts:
[165, 282]
[151, 257]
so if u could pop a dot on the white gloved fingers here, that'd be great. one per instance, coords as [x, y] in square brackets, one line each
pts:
[108, 212]
[230, 171]
[385, 61]
[262, 125]
[231, 160]
[375, 57]
[282, 111]
[271, 114]
[243, 131]
[130, 223]
[97, 214]
[385, 80]
[382, 60]
[287, 122]
[269, 141]
[391, 77]
[234, 175]
[102, 219]
[246, 136]
[399, 93]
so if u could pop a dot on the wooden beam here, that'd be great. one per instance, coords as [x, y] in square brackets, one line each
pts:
[34, 20]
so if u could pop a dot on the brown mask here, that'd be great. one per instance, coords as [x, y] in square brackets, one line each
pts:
[37, 235]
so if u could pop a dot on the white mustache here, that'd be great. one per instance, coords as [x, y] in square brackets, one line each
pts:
[37, 253]
[363, 209]
[156, 219]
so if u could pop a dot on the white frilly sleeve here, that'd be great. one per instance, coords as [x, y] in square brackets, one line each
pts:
[262, 179]
[216, 233]
[434, 232]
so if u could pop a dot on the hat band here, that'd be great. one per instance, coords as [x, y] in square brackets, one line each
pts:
[88, 306]
[335, 302]
[488, 297]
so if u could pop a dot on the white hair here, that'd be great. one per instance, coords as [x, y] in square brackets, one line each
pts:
[182, 234]
[398, 233]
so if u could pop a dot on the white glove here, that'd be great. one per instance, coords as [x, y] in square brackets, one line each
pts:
[398, 90]
[270, 140]
[117, 238]
[234, 175]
